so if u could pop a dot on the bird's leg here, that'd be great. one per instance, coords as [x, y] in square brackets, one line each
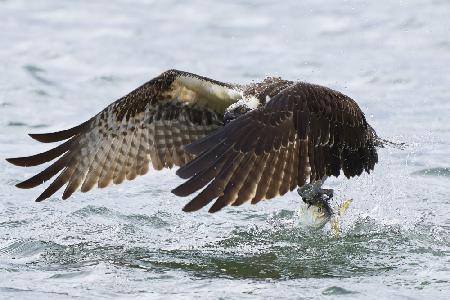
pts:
[313, 192]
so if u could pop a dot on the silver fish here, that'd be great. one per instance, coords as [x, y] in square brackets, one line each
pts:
[316, 213]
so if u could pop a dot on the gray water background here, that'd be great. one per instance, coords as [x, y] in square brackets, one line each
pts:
[63, 61]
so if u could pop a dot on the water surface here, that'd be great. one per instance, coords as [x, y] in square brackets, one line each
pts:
[61, 62]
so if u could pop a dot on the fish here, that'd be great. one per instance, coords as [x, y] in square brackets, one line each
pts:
[316, 213]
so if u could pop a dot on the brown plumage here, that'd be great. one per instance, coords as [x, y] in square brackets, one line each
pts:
[305, 132]
[296, 133]
[150, 125]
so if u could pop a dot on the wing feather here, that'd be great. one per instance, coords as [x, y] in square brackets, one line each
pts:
[150, 125]
[232, 184]
[249, 188]
[302, 134]
[47, 173]
[109, 164]
[132, 155]
[43, 157]
[215, 188]
[263, 184]
[288, 170]
[59, 135]
[56, 184]
[231, 192]
[93, 170]
[277, 175]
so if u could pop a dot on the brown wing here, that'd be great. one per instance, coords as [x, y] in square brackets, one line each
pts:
[148, 126]
[302, 134]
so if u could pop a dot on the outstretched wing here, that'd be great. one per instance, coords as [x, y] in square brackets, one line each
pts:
[150, 125]
[302, 134]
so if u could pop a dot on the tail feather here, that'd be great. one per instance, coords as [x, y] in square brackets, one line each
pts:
[382, 143]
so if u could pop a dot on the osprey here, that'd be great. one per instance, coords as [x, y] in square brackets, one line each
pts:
[235, 143]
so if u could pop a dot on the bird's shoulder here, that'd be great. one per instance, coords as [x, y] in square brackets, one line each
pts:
[282, 95]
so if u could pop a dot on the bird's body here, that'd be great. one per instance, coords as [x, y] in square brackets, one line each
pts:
[239, 142]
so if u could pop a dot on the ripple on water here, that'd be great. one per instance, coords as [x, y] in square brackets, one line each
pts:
[22, 124]
[37, 73]
[280, 253]
[28, 248]
[336, 290]
[72, 275]
[440, 171]
[157, 220]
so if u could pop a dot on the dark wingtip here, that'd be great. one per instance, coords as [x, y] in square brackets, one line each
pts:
[189, 208]
[40, 158]
[17, 161]
[66, 194]
[195, 205]
[47, 137]
[214, 209]
[220, 203]
[58, 136]
[40, 137]
[39, 199]
[23, 185]
[180, 191]
[182, 173]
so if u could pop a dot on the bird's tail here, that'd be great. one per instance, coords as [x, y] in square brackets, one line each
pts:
[382, 143]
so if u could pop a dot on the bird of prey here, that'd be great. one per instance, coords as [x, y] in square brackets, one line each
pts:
[235, 143]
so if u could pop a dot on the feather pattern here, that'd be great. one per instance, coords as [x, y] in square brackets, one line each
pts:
[298, 134]
[303, 133]
[150, 125]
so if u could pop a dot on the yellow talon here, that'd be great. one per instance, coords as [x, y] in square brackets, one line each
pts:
[342, 208]
[335, 227]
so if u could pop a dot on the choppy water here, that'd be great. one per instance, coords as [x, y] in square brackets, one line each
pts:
[61, 62]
